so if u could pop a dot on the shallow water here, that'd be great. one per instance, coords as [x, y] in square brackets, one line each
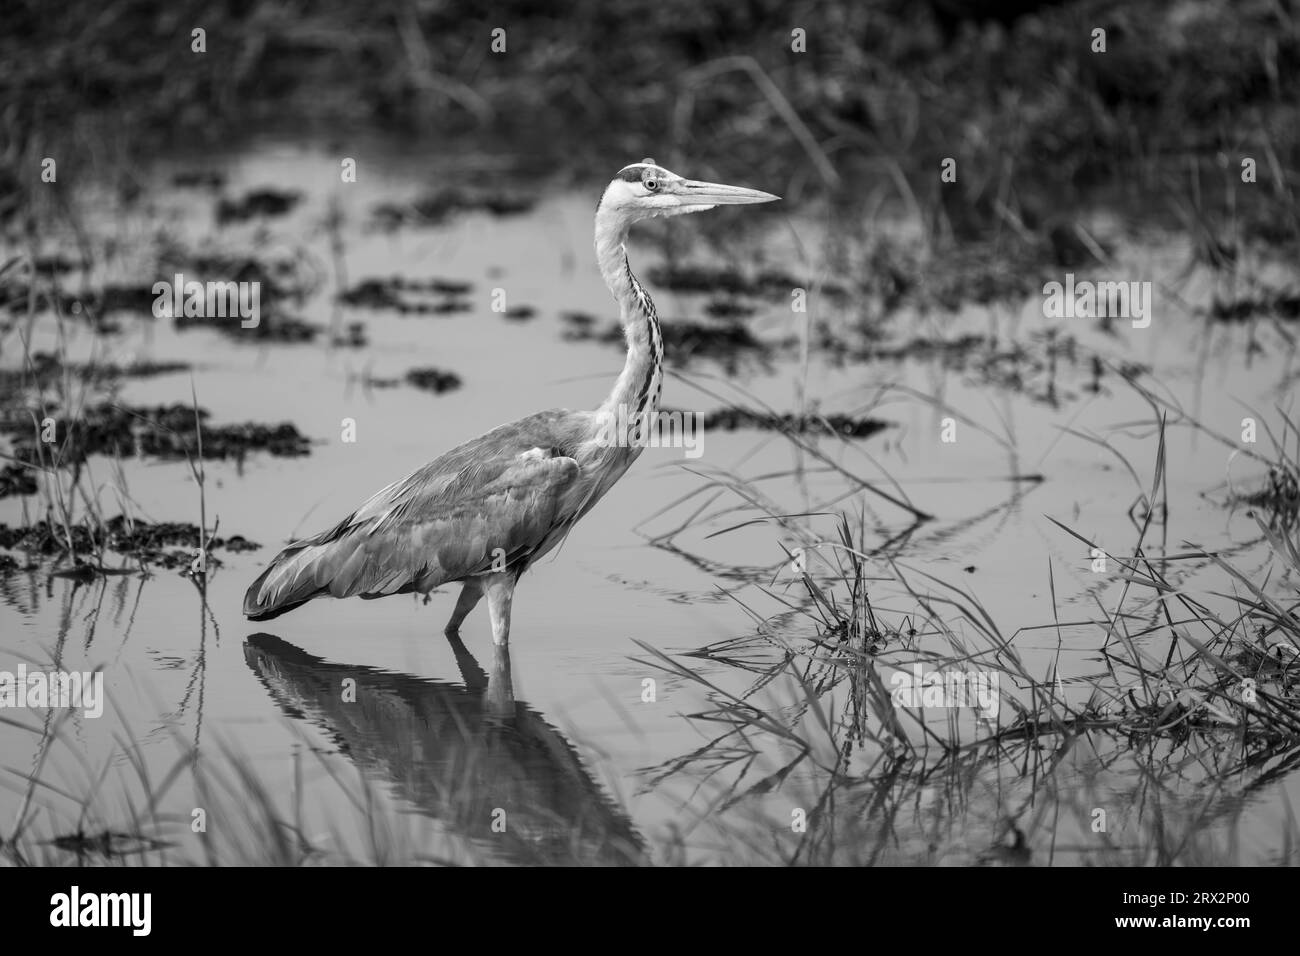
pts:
[560, 737]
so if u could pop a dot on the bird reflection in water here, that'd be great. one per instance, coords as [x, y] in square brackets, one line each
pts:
[460, 753]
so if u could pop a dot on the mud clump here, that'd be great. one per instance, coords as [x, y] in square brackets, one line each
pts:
[55, 265]
[736, 418]
[771, 285]
[170, 544]
[578, 324]
[724, 342]
[166, 432]
[728, 309]
[352, 336]
[264, 203]
[16, 479]
[410, 296]
[95, 305]
[45, 370]
[284, 329]
[433, 380]
[199, 179]
[437, 207]
[110, 371]
[1283, 305]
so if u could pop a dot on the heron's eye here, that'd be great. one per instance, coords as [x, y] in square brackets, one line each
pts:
[651, 184]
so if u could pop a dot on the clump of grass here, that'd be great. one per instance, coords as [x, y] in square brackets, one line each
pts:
[815, 720]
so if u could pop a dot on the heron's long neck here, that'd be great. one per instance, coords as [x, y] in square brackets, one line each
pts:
[636, 393]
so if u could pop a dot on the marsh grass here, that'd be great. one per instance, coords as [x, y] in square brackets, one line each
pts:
[117, 812]
[1205, 678]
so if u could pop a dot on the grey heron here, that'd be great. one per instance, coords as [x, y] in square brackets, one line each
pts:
[486, 510]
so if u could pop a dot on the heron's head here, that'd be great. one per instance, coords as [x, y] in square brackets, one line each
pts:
[645, 189]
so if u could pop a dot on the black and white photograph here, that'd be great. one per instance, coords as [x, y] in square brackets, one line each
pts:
[651, 433]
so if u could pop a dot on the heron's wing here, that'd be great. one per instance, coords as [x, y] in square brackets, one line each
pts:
[487, 504]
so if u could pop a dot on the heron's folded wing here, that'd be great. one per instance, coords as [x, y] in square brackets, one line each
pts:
[439, 524]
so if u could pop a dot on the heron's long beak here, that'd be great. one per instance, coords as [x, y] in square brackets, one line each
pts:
[716, 194]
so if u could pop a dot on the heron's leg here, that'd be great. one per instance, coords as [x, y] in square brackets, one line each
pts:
[470, 593]
[475, 678]
[500, 591]
[499, 701]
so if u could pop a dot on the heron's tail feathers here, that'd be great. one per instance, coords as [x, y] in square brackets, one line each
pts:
[288, 582]
[296, 575]
[342, 562]
[304, 570]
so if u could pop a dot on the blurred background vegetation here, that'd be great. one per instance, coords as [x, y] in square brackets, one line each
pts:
[1038, 123]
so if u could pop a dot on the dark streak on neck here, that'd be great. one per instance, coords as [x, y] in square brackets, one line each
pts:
[652, 334]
